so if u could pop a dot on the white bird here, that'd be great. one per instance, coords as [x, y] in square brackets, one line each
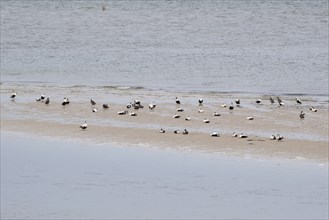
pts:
[223, 105]
[272, 137]
[180, 109]
[84, 126]
[177, 101]
[176, 131]
[200, 110]
[133, 114]
[206, 120]
[237, 101]
[162, 130]
[313, 109]
[95, 110]
[234, 134]
[176, 116]
[200, 102]
[13, 95]
[250, 118]
[188, 118]
[242, 135]
[185, 131]
[66, 101]
[216, 114]
[214, 134]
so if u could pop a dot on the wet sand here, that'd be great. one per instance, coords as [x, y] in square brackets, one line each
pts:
[303, 138]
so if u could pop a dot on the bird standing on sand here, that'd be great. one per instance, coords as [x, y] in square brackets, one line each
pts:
[237, 101]
[313, 109]
[242, 135]
[231, 106]
[271, 100]
[105, 106]
[298, 101]
[47, 101]
[258, 101]
[13, 95]
[66, 101]
[234, 134]
[281, 103]
[279, 137]
[152, 106]
[162, 130]
[216, 114]
[214, 134]
[185, 131]
[302, 115]
[188, 118]
[272, 137]
[200, 102]
[92, 102]
[206, 120]
[84, 126]
[177, 101]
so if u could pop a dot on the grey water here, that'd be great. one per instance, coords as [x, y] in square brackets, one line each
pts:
[44, 178]
[254, 47]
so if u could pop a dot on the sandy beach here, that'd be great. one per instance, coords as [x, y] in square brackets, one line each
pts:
[303, 138]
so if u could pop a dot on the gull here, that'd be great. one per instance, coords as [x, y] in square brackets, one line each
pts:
[95, 110]
[281, 103]
[188, 118]
[234, 134]
[313, 109]
[185, 131]
[92, 102]
[216, 114]
[122, 112]
[242, 135]
[162, 130]
[105, 106]
[237, 101]
[176, 131]
[258, 101]
[272, 137]
[250, 118]
[279, 137]
[132, 114]
[177, 101]
[214, 134]
[13, 95]
[84, 126]
[200, 110]
[65, 101]
[200, 102]
[298, 101]
[176, 116]
[223, 105]
[180, 109]
[152, 106]
[42, 98]
[271, 100]
[231, 106]
[206, 120]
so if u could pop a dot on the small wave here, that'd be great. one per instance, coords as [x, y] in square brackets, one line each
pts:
[124, 87]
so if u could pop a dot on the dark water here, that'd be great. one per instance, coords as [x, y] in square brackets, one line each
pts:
[261, 47]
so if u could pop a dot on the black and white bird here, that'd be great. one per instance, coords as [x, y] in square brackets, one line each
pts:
[272, 137]
[231, 106]
[187, 118]
[214, 134]
[200, 102]
[234, 134]
[162, 130]
[152, 105]
[313, 109]
[281, 103]
[258, 101]
[271, 100]
[122, 112]
[133, 114]
[84, 126]
[298, 101]
[223, 105]
[176, 131]
[177, 101]
[65, 101]
[179, 109]
[105, 106]
[185, 131]
[94, 110]
[279, 137]
[42, 98]
[237, 101]
[216, 114]
[250, 118]
[302, 114]
[92, 102]
[206, 120]
[47, 101]
[200, 110]
[176, 116]
[242, 135]
[13, 95]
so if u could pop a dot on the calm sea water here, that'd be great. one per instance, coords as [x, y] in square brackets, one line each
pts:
[255, 47]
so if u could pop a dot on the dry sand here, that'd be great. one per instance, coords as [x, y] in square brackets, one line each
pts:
[304, 138]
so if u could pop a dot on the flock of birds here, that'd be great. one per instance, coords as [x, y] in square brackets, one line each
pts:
[136, 104]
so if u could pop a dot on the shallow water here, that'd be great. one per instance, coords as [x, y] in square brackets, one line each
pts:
[56, 179]
[257, 47]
